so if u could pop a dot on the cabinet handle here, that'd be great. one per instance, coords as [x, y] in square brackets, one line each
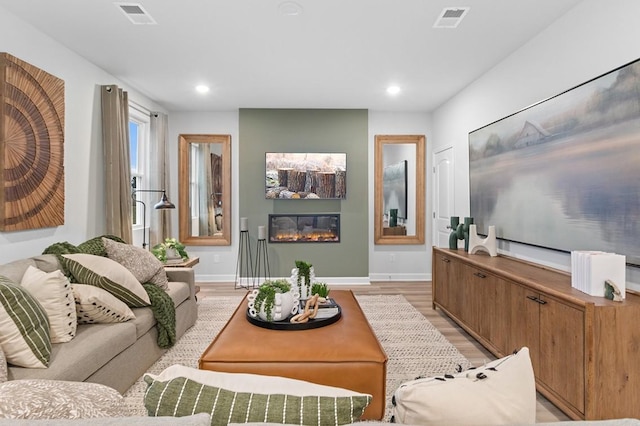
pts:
[480, 275]
[537, 300]
[445, 260]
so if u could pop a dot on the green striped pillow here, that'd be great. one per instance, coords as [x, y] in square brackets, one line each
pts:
[24, 327]
[109, 275]
[181, 396]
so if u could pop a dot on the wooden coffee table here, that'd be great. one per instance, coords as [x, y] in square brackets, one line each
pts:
[345, 354]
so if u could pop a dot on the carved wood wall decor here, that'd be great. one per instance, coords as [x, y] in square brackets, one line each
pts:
[31, 146]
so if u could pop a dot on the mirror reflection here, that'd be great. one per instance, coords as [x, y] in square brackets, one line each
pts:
[399, 189]
[205, 186]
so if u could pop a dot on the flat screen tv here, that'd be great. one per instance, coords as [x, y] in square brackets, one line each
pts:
[305, 175]
[564, 173]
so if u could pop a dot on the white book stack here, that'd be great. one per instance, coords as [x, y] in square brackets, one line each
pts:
[590, 270]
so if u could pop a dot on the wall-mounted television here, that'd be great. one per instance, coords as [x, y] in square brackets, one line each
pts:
[564, 174]
[305, 175]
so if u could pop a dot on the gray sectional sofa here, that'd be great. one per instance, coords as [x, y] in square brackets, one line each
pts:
[115, 354]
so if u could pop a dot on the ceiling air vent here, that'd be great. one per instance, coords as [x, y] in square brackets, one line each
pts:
[450, 17]
[136, 13]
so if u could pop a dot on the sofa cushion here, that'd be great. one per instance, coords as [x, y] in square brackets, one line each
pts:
[24, 327]
[55, 399]
[94, 305]
[109, 275]
[499, 393]
[239, 398]
[140, 262]
[53, 291]
[93, 346]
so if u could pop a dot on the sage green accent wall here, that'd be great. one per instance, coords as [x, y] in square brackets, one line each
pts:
[317, 130]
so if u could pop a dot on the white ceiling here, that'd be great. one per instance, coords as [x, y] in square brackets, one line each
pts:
[336, 54]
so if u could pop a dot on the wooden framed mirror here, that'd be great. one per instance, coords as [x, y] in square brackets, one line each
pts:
[399, 189]
[205, 189]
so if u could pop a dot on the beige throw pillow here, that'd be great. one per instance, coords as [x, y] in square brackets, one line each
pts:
[140, 262]
[109, 275]
[53, 291]
[24, 327]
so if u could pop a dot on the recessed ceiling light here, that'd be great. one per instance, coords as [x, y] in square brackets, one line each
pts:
[289, 8]
[202, 88]
[393, 90]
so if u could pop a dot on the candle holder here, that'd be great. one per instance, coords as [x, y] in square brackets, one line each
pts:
[262, 258]
[244, 266]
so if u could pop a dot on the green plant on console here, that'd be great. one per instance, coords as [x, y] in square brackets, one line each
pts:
[160, 250]
[321, 289]
[304, 270]
[267, 296]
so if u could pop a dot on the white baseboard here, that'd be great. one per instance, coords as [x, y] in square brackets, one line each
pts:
[329, 280]
[400, 277]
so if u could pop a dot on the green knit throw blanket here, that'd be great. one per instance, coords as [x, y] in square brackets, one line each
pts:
[162, 305]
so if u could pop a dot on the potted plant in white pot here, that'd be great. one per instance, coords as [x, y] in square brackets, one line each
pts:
[273, 301]
[171, 250]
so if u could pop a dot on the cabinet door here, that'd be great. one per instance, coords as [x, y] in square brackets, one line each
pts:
[562, 348]
[486, 299]
[448, 286]
[523, 323]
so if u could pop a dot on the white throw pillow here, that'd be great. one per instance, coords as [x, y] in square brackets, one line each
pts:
[24, 327]
[498, 393]
[95, 305]
[53, 291]
[109, 275]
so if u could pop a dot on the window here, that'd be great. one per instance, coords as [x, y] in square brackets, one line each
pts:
[139, 154]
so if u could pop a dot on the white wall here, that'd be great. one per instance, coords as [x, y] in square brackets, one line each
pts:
[591, 39]
[84, 201]
[217, 263]
[400, 262]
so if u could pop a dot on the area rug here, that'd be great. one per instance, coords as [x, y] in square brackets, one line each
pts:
[413, 345]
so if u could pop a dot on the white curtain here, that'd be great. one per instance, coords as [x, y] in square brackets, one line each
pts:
[117, 166]
[160, 223]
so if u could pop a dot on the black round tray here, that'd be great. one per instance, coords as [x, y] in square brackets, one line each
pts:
[286, 325]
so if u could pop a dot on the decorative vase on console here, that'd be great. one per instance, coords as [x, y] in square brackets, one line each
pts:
[393, 221]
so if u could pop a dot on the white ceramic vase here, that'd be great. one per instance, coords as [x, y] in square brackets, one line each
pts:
[285, 305]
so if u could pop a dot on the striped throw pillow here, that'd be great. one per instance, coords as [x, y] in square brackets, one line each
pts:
[109, 275]
[24, 327]
[182, 396]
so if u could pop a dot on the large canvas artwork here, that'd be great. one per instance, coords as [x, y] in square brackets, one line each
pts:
[31, 146]
[564, 173]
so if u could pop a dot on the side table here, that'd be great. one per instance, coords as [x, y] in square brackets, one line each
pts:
[192, 261]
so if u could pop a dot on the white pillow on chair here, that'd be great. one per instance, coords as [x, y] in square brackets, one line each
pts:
[498, 393]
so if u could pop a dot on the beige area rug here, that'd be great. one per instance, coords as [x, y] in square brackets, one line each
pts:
[413, 345]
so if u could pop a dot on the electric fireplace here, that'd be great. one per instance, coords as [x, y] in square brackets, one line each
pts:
[304, 228]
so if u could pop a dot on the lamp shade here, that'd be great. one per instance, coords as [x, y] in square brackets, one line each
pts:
[164, 203]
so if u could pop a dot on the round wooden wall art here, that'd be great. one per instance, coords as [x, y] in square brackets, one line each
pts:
[31, 146]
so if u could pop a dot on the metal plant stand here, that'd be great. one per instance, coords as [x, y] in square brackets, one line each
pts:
[262, 262]
[244, 266]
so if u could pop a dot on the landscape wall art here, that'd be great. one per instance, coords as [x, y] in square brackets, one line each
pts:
[564, 173]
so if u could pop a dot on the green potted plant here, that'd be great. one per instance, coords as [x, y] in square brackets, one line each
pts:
[272, 301]
[321, 289]
[169, 249]
[303, 277]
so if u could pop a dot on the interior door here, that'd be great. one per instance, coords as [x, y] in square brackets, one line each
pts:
[443, 196]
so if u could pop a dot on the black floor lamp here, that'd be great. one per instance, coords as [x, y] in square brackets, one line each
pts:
[164, 203]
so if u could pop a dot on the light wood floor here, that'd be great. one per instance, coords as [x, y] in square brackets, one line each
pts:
[419, 295]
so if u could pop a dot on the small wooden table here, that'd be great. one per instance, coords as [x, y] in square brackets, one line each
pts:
[345, 354]
[192, 261]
